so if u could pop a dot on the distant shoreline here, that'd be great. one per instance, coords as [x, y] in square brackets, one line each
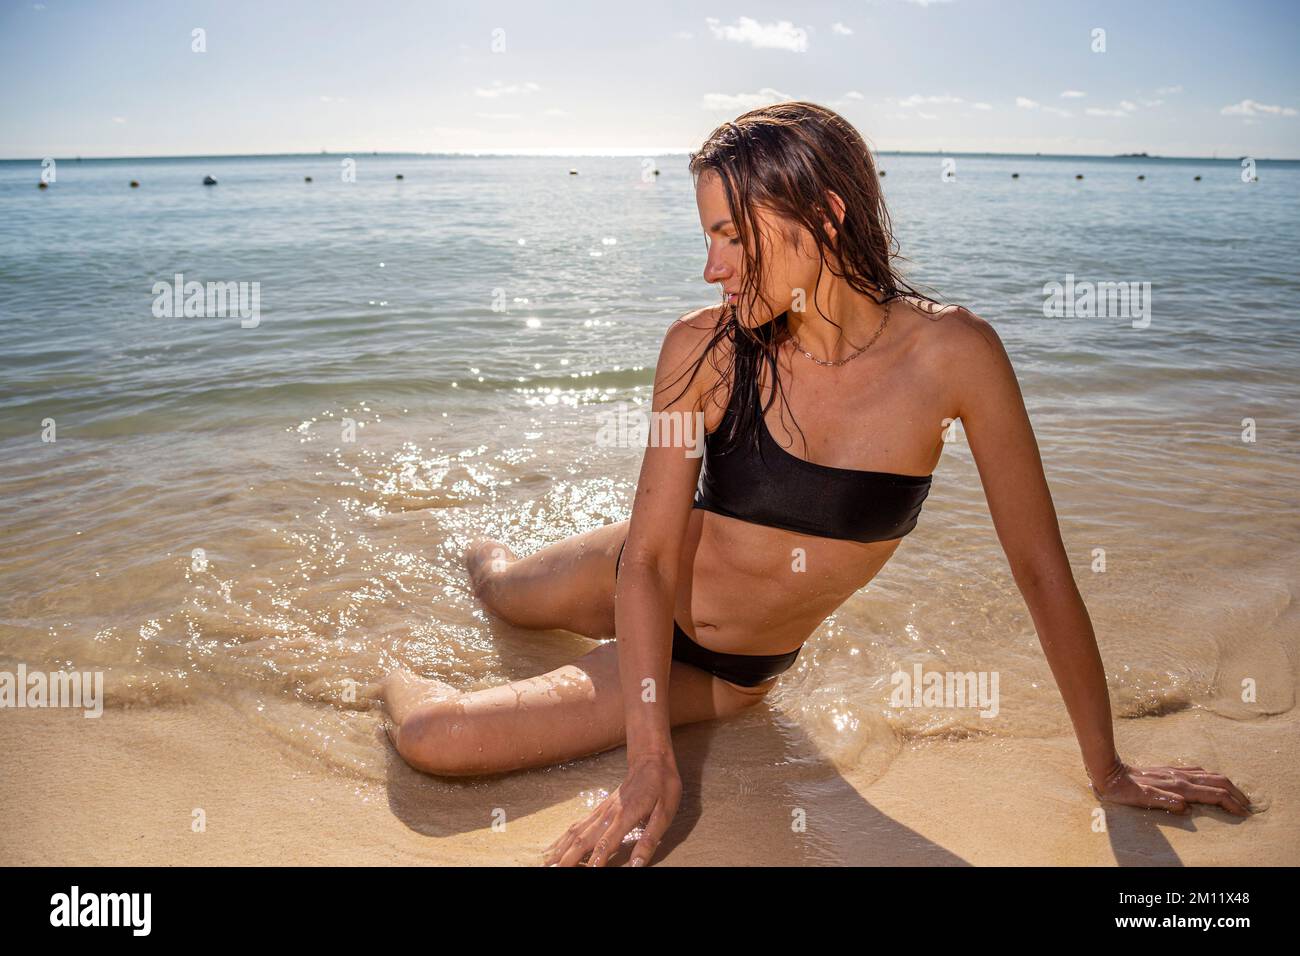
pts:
[621, 153]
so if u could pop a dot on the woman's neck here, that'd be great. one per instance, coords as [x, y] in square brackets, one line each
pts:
[856, 316]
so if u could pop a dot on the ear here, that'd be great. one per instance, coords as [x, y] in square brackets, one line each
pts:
[837, 212]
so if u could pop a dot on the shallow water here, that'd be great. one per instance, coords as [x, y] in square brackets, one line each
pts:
[201, 529]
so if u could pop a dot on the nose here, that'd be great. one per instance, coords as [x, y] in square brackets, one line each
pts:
[716, 268]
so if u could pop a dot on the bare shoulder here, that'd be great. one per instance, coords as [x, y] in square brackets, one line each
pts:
[961, 353]
[685, 341]
[695, 327]
[953, 340]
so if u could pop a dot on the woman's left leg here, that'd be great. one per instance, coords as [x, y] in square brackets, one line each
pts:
[568, 584]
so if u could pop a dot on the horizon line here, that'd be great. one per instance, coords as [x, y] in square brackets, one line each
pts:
[623, 152]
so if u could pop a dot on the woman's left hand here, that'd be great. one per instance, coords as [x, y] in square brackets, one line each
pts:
[1171, 788]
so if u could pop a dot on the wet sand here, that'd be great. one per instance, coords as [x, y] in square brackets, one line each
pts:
[122, 790]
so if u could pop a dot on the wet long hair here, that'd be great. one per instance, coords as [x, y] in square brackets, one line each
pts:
[787, 158]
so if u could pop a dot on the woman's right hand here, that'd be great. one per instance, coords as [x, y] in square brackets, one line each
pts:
[651, 793]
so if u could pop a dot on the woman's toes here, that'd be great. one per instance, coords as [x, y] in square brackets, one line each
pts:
[436, 690]
[489, 550]
[394, 681]
[485, 558]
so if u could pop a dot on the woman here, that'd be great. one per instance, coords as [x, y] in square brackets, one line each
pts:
[711, 599]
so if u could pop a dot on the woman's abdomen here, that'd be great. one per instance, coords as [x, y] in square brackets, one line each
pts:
[751, 589]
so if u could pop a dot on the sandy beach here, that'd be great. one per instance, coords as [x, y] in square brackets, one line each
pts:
[122, 790]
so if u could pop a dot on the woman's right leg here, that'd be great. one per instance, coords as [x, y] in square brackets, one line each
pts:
[573, 711]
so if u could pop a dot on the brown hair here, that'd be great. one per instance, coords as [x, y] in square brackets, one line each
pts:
[786, 158]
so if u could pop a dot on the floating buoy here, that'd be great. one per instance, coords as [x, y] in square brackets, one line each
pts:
[1078, 176]
[1141, 177]
[306, 179]
[42, 185]
[1196, 179]
[400, 176]
[209, 181]
[135, 184]
[1015, 175]
[573, 172]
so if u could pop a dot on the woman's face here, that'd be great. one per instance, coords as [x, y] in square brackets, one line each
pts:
[789, 255]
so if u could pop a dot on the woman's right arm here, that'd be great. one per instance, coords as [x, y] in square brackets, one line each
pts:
[661, 510]
[644, 602]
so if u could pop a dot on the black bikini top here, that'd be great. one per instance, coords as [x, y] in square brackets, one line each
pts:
[770, 486]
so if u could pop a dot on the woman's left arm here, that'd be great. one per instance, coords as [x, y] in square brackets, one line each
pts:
[1002, 442]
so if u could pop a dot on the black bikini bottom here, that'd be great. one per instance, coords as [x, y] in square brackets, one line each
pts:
[747, 670]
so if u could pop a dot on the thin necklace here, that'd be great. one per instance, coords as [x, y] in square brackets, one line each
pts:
[883, 322]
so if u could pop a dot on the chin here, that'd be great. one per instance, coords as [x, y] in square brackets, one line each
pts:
[756, 319]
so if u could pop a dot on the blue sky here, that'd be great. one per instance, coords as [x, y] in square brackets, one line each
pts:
[121, 79]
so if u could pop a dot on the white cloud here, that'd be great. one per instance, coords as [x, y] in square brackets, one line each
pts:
[848, 99]
[742, 101]
[500, 116]
[927, 3]
[1125, 108]
[1025, 103]
[119, 119]
[917, 100]
[982, 106]
[1168, 90]
[1252, 108]
[506, 89]
[554, 111]
[841, 29]
[685, 35]
[1073, 94]
[782, 35]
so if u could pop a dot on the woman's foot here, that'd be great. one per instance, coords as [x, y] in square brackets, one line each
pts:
[486, 558]
[401, 681]
[405, 694]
